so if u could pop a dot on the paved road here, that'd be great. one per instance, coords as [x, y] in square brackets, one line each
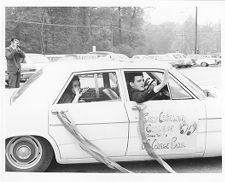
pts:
[210, 77]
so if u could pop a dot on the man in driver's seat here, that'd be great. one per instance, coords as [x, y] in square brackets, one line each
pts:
[139, 91]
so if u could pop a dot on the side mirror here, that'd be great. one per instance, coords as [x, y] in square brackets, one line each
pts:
[208, 93]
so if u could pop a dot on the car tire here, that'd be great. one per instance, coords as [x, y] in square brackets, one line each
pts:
[28, 154]
[204, 64]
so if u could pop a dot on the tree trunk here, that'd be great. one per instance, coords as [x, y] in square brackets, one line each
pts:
[119, 26]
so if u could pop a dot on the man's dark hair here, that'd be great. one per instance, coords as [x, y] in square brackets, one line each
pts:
[130, 76]
[13, 38]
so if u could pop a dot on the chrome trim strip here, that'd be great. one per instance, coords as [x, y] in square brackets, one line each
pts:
[208, 118]
[215, 131]
[125, 122]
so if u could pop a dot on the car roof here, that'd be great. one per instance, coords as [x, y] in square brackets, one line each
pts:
[73, 65]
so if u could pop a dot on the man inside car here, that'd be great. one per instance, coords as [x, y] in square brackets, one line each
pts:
[140, 90]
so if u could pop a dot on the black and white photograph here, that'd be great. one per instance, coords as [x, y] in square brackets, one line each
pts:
[90, 90]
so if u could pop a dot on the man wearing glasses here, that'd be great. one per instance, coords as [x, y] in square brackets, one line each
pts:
[13, 55]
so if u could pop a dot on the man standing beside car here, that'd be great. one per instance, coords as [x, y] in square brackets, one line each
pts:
[13, 55]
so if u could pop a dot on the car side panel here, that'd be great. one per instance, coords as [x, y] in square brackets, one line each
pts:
[103, 123]
[166, 120]
[32, 123]
[214, 128]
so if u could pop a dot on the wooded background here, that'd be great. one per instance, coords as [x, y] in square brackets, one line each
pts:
[74, 30]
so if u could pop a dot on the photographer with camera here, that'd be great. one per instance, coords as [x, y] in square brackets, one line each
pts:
[13, 54]
[140, 90]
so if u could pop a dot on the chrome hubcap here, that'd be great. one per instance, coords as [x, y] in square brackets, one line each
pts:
[23, 152]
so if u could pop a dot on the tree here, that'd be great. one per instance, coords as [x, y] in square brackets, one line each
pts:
[70, 30]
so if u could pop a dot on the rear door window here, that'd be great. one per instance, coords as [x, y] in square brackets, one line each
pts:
[102, 86]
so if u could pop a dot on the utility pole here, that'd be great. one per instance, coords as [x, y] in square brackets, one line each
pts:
[182, 50]
[42, 33]
[196, 28]
[112, 29]
[119, 25]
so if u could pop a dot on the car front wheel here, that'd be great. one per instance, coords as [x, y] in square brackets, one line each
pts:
[28, 153]
[204, 64]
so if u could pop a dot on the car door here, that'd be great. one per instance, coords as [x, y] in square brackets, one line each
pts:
[175, 127]
[100, 116]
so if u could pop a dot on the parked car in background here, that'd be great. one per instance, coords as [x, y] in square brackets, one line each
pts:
[107, 54]
[154, 56]
[32, 63]
[192, 57]
[140, 57]
[83, 56]
[169, 58]
[102, 53]
[205, 60]
[34, 133]
[179, 60]
[121, 56]
[55, 57]
[217, 57]
[29, 65]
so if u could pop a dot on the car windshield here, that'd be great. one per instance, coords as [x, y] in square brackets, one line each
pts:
[25, 85]
[199, 92]
[36, 59]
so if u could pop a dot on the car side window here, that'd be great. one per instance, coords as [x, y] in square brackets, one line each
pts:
[163, 94]
[177, 92]
[99, 87]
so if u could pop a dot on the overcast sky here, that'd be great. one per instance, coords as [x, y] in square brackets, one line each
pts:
[161, 11]
[177, 12]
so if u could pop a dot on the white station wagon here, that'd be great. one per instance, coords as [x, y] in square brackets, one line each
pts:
[182, 120]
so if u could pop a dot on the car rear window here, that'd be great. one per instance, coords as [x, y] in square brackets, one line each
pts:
[21, 90]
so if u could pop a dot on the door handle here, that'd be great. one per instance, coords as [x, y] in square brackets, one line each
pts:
[55, 111]
[134, 108]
